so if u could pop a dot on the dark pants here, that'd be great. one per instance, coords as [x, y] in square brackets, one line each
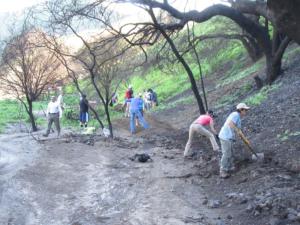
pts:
[53, 117]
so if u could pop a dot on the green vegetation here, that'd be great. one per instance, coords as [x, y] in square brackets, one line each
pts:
[289, 55]
[10, 113]
[170, 80]
[238, 72]
[287, 134]
[167, 84]
[262, 95]
[184, 100]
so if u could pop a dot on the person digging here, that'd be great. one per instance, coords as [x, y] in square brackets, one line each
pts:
[199, 127]
[227, 138]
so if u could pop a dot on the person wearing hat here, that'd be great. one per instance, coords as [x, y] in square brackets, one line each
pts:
[54, 113]
[227, 138]
[199, 127]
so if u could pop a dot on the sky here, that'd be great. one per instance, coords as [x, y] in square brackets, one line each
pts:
[16, 5]
[130, 13]
[19, 5]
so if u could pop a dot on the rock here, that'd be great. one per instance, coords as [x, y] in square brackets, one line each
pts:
[275, 221]
[256, 213]
[279, 211]
[250, 208]
[293, 166]
[205, 201]
[292, 211]
[254, 173]
[292, 217]
[214, 204]
[239, 198]
[231, 195]
[284, 176]
[229, 217]
[220, 222]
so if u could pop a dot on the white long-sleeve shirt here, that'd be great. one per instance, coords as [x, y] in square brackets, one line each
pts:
[54, 107]
[60, 100]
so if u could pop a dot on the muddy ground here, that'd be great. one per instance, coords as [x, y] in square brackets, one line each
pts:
[79, 179]
[89, 179]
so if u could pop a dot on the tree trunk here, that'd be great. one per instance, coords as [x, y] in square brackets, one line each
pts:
[189, 72]
[253, 49]
[287, 17]
[273, 69]
[106, 108]
[183, 62]
[31, 117]
[259, 82]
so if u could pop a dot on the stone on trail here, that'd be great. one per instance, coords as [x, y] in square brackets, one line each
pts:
[214, 204]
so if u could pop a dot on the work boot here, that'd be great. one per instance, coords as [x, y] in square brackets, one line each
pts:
[224, 174]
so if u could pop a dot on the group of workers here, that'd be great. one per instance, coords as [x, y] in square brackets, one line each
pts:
[134, 108]
[149, 100]
[226, 136]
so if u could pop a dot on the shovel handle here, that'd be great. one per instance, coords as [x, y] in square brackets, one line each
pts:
[246, 141]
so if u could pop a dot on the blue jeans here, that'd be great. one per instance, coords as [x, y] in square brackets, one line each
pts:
[137, 113]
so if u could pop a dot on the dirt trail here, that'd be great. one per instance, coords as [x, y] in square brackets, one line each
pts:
[65, 182]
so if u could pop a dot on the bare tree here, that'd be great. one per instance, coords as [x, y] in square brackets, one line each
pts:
[28, 70]
[104, 60]
[273, 48]
[134, 34]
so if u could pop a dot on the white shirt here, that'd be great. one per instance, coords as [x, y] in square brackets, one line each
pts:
[60, 100]
[54, 107]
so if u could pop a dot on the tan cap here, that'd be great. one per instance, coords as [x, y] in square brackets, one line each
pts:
[242, 106]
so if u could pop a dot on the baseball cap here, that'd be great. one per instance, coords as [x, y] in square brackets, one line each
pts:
[242, 106]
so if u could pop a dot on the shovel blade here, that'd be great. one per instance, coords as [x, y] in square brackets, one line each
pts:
[258, 157]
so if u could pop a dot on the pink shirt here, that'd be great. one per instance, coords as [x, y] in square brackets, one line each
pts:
[204, 120]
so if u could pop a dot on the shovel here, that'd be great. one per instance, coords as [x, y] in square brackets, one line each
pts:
[255, 156]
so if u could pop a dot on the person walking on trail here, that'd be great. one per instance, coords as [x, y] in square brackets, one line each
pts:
[135, 113]
[114, 99]
[147, 99]
[154, 99]
[141, 108]
[54, 113]
[199, 127]
[128, 96]
[227, 138]
[84, 111]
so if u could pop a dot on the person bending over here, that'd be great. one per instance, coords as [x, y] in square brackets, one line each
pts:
[199, 127]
